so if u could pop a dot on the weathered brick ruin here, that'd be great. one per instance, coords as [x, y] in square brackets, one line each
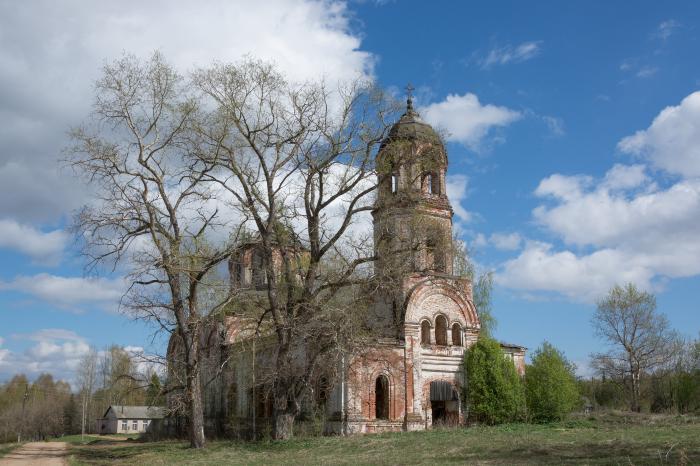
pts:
[411, 376]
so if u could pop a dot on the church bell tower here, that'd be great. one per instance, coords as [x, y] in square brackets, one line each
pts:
[412, 215]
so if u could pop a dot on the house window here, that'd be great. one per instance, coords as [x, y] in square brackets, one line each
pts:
[146, 424]
[125, 426]
[441, 331]
[135, 425]
[381, 397]
[425, 333]
[394, 183]
[456, 334]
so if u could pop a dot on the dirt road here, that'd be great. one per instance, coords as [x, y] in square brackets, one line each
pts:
[37, 454]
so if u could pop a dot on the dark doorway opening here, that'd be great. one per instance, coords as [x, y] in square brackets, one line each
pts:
[444, 403]
[381, 394]
[439, 412]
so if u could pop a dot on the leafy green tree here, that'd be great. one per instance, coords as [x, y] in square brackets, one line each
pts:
[550, 385]
[154, 391]
[494, 390]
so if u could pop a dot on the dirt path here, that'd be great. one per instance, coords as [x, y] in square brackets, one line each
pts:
[37, 454]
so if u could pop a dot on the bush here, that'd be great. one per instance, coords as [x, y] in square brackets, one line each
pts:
[494, 391]
[550, 385]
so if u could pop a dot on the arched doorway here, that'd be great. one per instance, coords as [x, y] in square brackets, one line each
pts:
[381, 397]
[444, 402]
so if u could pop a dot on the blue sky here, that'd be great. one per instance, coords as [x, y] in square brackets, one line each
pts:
[573, 129]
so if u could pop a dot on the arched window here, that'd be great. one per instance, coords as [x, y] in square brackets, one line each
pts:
[441, 331]
[428, 183]
[431, 183]
[322, 391]
[381, 397]
[456, 334]
[425, 333]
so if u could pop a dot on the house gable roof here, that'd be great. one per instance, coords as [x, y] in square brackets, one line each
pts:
[136, 412]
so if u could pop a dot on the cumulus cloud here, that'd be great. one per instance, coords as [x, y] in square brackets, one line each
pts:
[672, 141]
[46, 79]
[57, 351]
[621, 228]
[457, 193]
[511, 54]
[506, 241]
[42, 247]
[466, 120]
[71, 293]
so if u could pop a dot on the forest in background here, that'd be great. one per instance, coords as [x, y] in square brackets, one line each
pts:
[46, 407]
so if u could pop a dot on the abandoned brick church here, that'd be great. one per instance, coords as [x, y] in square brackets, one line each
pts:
[408, 379]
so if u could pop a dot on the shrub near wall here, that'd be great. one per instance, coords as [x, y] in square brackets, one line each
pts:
[550, 385]
[494, 391]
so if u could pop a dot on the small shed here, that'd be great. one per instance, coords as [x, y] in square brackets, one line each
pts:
[120, 419]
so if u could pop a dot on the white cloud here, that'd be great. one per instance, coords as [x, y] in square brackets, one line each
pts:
[72, 293]
[42, 247]
[56, 351]
[506, 241]
[623, 227]
[672, 141]
[666, 29]
[647, 71]
[540, 268]
[554, 124]
[457, 193]
[511, 54]
[466, 120]
[46, 79]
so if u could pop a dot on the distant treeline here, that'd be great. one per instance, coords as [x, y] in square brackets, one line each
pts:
[48, 408]
[645, 365]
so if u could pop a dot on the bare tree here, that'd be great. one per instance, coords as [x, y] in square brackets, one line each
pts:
[87, 378]
[298, 159]
[639, 338]
[153, 217]
[482, 285]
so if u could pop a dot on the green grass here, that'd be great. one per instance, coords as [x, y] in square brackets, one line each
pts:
[6, 448]
[78, 439]
[614, 439]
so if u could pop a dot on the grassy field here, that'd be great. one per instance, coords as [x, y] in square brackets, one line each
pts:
[610, 439]
[78, 439]
[5, 448]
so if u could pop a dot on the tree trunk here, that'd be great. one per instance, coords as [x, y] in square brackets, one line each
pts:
[284, 413]
[194, 394]
[283, 428]
[635, 392]
[197, 439]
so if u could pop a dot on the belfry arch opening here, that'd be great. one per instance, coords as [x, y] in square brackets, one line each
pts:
[381, 396]
[431, 183]
[456, 334]
[441, 330]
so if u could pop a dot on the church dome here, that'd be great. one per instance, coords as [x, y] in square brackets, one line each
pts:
[411, 127]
